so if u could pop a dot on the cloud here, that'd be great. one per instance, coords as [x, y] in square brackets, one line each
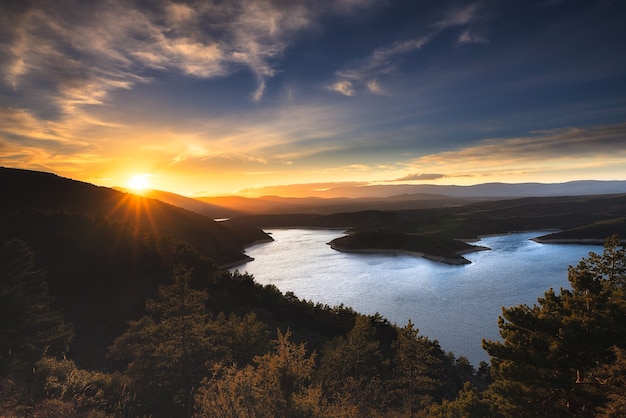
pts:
[413, 177]
[469, 37]
[383, 61]
[72, 54]
[459, 16]
[540, 150]
[376, 88]
[344, 87]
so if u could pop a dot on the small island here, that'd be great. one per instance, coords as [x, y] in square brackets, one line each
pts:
[444, 250]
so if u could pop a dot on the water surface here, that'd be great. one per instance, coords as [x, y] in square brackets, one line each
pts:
[456, 305]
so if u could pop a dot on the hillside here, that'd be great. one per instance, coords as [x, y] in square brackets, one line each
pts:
[265, 205]
[106, 252]
[206, 208]
[39, 191]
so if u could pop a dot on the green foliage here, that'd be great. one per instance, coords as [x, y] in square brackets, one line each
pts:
[166, 352]
[417, 369]
[552, 352]
[86, 391]
[236, 340]
[169, 352]
[278, 386]
[469, 403]
[29, 327]
[371, 240]
[352, 368]
[612, 376]
[56, 387]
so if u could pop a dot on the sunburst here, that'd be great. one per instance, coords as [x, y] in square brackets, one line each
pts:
[139, 183]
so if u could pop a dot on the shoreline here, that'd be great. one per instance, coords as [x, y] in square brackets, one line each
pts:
[330, 228]
[582, 241]
[259, 241]
[246, 258]
[480, 237]
[233, 264]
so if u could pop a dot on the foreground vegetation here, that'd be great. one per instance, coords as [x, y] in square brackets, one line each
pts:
[562, 357]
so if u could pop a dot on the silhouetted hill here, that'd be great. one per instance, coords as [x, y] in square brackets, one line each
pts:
[22, 189]
[205, 208]
[106, 252]
[266, 205]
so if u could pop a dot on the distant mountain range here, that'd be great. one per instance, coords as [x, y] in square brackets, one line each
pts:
[382, 197]
[485, 190]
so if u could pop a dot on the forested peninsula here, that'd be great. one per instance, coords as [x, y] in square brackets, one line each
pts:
[433, 248]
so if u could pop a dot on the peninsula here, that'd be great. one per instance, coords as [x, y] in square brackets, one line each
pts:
[443, 250]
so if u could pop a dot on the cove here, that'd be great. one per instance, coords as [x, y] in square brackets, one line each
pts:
[456, 305]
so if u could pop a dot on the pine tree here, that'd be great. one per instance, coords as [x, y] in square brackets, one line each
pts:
[551, 353]
[168, 352]
[29, 327]
[416, 369]
[278, 386]
[352, 368]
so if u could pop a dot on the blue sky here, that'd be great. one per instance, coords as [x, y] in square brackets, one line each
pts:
[222, 97]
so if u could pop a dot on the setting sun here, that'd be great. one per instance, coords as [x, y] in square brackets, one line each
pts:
[139, 182]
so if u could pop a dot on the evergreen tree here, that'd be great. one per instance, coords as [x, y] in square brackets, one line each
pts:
[278, 386]
[613, 379]
[29, 327]
[170, 351]
[238, 340]
[417, 369]
[551, 353]
[166, 351]
[352, 368]
[470, 403]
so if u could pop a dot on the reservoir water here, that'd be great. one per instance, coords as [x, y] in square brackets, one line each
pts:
[456, 305]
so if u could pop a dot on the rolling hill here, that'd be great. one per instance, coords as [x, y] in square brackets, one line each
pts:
[105, 252]
[224, 244]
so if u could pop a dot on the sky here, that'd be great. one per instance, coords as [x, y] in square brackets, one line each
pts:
[233, 96]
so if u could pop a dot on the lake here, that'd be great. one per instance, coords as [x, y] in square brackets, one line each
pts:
[456, 305]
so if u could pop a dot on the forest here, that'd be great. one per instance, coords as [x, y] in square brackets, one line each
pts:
[102, 316]
[564, 356]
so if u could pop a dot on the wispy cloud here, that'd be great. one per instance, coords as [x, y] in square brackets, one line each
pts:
[540, 150]
[459, 16]
[79, 56]
[470, 37]
[421, 177]
[344, 87]
[383, 61]
[374, 87]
